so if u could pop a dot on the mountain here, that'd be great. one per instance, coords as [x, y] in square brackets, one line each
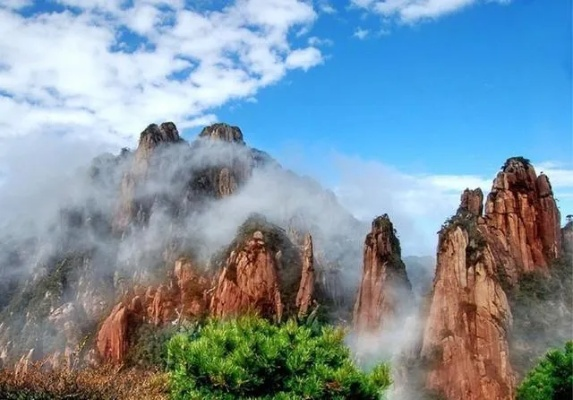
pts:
[169, 232]
[385, 290]
[149, 242]
[485, 263]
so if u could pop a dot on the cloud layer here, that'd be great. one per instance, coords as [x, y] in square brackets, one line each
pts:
[410, 11]
[98, 63]
[418, 204]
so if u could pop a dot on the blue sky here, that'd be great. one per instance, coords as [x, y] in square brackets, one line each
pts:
[395, 105]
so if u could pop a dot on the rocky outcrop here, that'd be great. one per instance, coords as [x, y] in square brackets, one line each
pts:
[112, 337]
[472, 201]
[213, 166]
[264, 273]
[305, 293]
[134, 204]
[223, 132]
[385, 288]
[185, 296]
[465, 343]
[522, 215]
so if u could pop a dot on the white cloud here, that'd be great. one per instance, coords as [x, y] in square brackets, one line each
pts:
[409, 11]
[75, 70]
[326, 7]
[304, 58]
[418, 204]
[316, 41]
[559, 175]
[15, 4]
[360, 33]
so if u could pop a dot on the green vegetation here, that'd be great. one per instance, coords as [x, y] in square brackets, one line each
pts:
[251, 358]
[522, 160]
[551, 379]
[148, 344]
[466, 221]
[542, 312]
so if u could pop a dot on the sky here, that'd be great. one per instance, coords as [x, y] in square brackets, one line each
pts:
[395, 105]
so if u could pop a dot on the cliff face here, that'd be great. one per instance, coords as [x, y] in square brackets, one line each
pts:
[465, 340]
[134, 204]
[168, 171]
[185, 296]
[261, 272]
[385, 286]
[521, 214]
[468, 333]
[265, 273]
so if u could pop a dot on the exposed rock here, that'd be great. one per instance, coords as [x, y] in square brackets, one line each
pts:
[249, 282]
[306, 288]
[68, 320]
[465, 338]
[133, 206]
[472, 201]
[185, 296]
[385, 287]
[263, 273]
[521, 213]
[223, 132]
[112, 337]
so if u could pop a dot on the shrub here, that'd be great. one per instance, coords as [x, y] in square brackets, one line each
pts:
[252, 358]
[103, 383]
[542, 311]
[551, 379]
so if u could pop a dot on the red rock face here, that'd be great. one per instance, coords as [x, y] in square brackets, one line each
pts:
[521, 213]
[465, 339]
[306, 288]
[384, 282]
[472, 201]
[249, 282]
[186, 296]
[112, 338]
[256, 279]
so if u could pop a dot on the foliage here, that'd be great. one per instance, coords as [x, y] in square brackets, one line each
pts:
[551, 379]
[542, 308]
[105, 383]
[252, 358]
[148, 344]
[467, 222]
[522, 160]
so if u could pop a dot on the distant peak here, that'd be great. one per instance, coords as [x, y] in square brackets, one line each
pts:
[223, 132]
[154, 134]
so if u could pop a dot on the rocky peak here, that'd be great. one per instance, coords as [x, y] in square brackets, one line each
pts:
[522, 214]
[154, 135]
[385, 286]
[265, 273]
[465, 338]
[472, 201]
[223, 132]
